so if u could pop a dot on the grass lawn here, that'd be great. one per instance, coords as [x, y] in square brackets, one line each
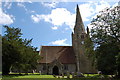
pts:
[36, 76]
[29, 76]
[0, 75]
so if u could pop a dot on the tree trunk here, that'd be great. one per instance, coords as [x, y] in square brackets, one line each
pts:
[5, 69]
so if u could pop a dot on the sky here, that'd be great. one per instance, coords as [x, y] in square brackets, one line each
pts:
[48, 23]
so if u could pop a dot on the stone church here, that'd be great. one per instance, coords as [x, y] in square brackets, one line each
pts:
[62, 59]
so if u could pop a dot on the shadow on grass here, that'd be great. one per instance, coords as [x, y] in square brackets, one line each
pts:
[16, 75]
[12, 75]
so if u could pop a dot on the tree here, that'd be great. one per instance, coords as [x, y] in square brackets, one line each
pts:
[89, 48]
[118, 64]
[105, 34]
[0, 54]
[17, 52]
[10, 52]
[106, 61]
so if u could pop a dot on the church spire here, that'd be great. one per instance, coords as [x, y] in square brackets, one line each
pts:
[79, 22]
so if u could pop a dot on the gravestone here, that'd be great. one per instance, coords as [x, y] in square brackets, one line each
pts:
[40, 72]
[62, 75]
[68, 74]
[79, 74]
[73, 74]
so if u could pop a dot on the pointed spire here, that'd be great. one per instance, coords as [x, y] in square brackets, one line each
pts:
[79, 22]
[77, 7]
[78, 16]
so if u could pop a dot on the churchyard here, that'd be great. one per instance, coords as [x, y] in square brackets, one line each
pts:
[98, 54]
[38, 76]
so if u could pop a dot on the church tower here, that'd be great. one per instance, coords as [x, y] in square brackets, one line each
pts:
[78, 38]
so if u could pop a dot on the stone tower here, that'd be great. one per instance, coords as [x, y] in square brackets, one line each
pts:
[78, 38]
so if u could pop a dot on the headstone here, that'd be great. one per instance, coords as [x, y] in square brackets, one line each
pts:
[73, 74]
[99, 72]
[58, 76]
[33, 71]
[62, 75]
[101, 76]
[79, 74]
[40, 72]
[68, 74]
[54, 75]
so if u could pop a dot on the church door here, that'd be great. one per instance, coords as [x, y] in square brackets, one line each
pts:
[55, 70]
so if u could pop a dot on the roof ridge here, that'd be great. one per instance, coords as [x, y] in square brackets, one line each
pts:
[56, 46]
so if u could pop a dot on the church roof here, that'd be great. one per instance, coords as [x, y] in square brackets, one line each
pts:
[63, 54]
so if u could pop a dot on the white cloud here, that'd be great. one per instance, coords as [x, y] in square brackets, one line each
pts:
[32, 11]
[101, 5]
[67, 28]
[58, 17]
[90, 9]
[19, 0]
[5, 18]
[116, 4]
[30, 1]
[60, 42]
[50, 4]
[86, 11]
[35, 18]
[8, 4]
[21, 4]
[54, 28]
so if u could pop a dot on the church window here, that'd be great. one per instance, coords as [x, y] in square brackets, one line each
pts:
[44, 67]
[65, 67]
[77, 35]
[48, 67]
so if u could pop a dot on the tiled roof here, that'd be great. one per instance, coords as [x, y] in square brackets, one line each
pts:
[63, 54]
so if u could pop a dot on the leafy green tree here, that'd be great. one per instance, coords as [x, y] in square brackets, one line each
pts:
[10, 52]
[89, 48]
[118, 64]
[106, 37]
[17, 52]
[106, 61]
[0, 54]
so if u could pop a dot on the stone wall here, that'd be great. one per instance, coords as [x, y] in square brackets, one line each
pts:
[64, 68]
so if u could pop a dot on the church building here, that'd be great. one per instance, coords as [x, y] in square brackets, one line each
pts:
[63, 59]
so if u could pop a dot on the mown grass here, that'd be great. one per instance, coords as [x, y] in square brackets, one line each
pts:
[37, 76]
[0, 75]
[31, 75]
[28, 76]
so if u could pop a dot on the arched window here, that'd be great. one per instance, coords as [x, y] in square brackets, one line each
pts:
[44, 67]
[65, 67]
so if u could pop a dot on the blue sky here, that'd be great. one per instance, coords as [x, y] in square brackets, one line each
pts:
[48, 23]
